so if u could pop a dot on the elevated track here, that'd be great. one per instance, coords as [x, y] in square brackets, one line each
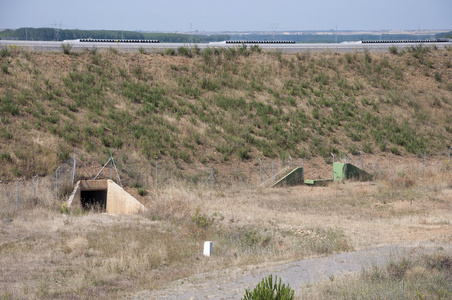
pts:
[157, 47]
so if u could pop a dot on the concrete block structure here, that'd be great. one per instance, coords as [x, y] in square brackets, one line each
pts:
[105, 196]
[295, 177]
[348, 171]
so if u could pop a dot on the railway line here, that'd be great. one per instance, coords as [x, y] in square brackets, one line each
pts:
[156, 47]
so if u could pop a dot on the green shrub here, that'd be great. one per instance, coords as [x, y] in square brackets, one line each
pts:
[201, 220]
[5, 69]
[4, 133]
[184, 156]
[438, 76]
[367, 56]
[113, 50]
[66, 48]
[269, 290]
[395, 150]
[141, 191]
[209, 85]
[256, 49]
[367, 147]
[184, 51]
[5, 157]
[5, 52]
[393, 50]
[243, 152]
[170, 52]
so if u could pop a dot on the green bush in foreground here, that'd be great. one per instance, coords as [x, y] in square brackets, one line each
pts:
[267, 289]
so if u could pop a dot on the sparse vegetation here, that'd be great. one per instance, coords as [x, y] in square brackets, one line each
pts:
[425, 276]
[263, 104]
[114, 256]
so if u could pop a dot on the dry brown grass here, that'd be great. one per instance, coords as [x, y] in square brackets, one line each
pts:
[46, 254]
[412, 276]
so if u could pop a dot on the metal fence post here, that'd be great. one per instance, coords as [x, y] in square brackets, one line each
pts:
[425, 159]
[17, 194]
[333, 164]
[75, 166]
[449, 158]
[56, 182]
[290, 161]
[374, 161]
[273, 172]
[260, 171]
[362, 160]
[34, 190]
[212, 177]
[111, 165]
[403, 289]
[156, 172]
[346, 156]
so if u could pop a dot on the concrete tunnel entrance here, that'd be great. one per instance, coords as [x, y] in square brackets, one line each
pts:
[94, 200]
[103, 195]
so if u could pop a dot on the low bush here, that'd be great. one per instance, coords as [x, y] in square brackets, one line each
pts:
[66, 47]
[268, 289]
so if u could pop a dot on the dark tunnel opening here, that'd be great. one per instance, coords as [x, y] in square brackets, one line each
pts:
[94, 200]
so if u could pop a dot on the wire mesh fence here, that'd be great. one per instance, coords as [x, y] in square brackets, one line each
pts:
[159, 173]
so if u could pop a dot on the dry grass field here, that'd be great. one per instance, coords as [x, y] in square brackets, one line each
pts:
[196, 108]
[46, 253]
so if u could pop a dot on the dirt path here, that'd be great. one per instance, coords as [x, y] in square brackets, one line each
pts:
[231, 284]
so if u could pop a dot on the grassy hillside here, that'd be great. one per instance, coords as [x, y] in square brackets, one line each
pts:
[196, 107]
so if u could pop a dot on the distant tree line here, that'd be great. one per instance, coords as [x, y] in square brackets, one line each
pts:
[52, 34]
[445, 35]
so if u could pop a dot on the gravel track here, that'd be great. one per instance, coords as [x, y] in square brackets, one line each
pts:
[231, 284]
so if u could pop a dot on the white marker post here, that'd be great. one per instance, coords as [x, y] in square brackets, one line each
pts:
[208, 248]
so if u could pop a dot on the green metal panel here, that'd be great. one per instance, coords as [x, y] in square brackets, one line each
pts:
[317, 182]
[293, 178]
[338, 171]
[353, 172]
[309, 181]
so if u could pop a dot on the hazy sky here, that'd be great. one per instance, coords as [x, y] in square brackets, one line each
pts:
[231, 15]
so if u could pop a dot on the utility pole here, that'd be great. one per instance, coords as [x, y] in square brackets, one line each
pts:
[57, 30]
[274, 28]
[336, 35]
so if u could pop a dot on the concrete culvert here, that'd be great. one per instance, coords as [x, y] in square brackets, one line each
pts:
[103, 196]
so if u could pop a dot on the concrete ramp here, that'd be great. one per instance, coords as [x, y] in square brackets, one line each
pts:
[295, 177]
[105, 196]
